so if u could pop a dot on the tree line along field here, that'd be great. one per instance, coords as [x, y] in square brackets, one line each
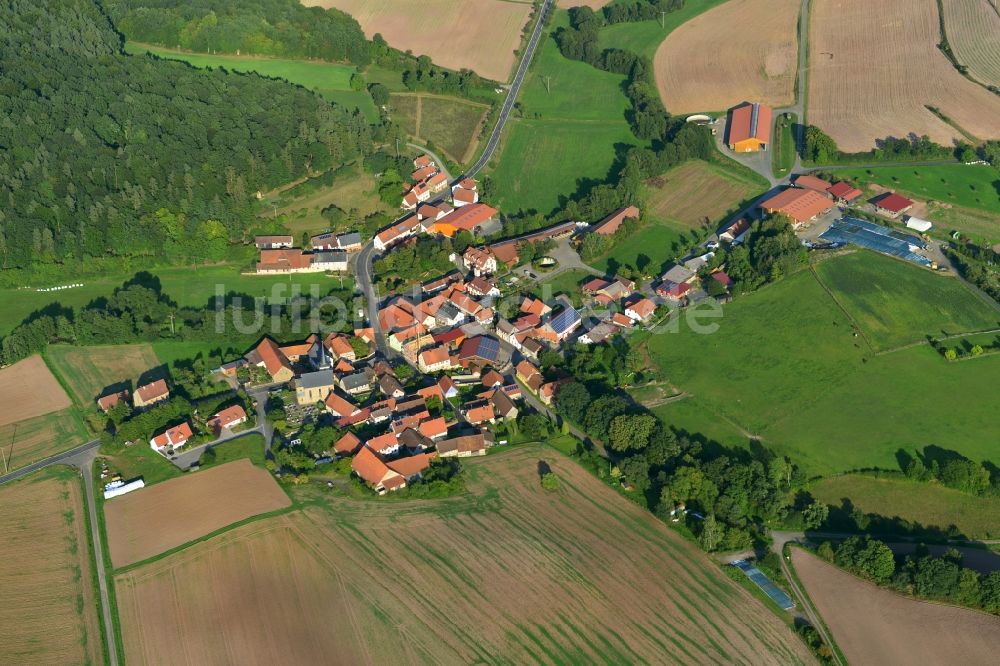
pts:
[742, 50]
[480, 35]
[856, 103]
[645, 37]
[330, 80]
[509, 572]
[786, 365]
[877, 626]
[973, 31]
[895, 305]
[50, 609]
[930, 504]
[449, 124]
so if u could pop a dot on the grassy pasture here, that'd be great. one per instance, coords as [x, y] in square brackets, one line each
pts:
[354, 191]
[49, 608]
[30, 440]
[88, 371]
[783, 155]
[969, 186]
[331, 81]
[645, 37]
[784, 365]
[449, 123]
[535, 562]
[655, 245]
[696, 192]
[895, 304]
[926, 503]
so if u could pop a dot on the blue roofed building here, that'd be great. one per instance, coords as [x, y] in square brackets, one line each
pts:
[480, 350]
[561, 325]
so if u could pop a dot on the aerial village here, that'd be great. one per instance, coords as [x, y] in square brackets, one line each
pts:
[441, 371]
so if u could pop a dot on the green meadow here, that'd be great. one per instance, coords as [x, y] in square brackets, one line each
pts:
[645, 37]
[786, 366]
[330, 80]
[971, 186]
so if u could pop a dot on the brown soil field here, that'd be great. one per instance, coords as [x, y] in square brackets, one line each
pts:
[30, 440]
[973, 29]
[714, 62]
[49, 609]
[29, 389]
[874, 67]
[87, 371]
[506, 573]
[694, 191]
[480, 35]
[876, 626]
[169, 514]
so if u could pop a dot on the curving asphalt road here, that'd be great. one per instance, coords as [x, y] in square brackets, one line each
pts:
[64, 458]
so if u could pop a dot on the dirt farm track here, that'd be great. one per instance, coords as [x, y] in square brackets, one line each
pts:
[713, 62]
[875, 626]
[155, 519]
[508, 573]
[480, 35]
[874, 68]
[29, 389]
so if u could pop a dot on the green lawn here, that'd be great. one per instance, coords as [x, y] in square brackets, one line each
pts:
[568, 283]
[545, 161]
[694, 417]
[330, 80]
[250, 446]
[140, 460]
[187, 285]
[783, 155]
[656, 246]
[929, 504]
[896, 304]
[971, 186]
[784, 365]
[645, 37]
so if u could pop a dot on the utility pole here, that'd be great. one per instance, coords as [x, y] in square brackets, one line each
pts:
[663, 15]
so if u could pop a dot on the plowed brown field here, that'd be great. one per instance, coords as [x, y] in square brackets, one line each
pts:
[875, 66]
[508, 573]
[875, 626]
[169, 514]
[973, 29]
[28, 389]
[742, 50]
[48, 609]
[480, 35]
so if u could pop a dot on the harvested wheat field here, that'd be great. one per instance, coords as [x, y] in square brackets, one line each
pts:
[507, 573]
[875, 626]
[480, 35]
[973, 29]
[714, 62]
[28, 389]
[875, 67]
[696, 193]
[169, 514]
[89, 371]
[49, 609]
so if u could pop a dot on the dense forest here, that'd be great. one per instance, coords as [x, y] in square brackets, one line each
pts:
[110, 155]
[260, 27]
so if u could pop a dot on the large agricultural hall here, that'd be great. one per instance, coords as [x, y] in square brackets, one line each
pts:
[749, 128]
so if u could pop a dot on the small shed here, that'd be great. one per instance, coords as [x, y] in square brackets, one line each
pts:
[918, 224]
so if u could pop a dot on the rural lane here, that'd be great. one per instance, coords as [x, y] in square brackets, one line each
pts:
[437, 160]
[60, 458]
[515, 86]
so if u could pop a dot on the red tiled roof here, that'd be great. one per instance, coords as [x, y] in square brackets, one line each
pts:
[844, 190]
[480, 414]
[800, 205]
[272, 357]
[893, 202]
[369, 466]
[433, 427]
[174, 437]
[643, 307]
[230, 416]
[741, 123]
[613, 222]
[723, 278]
[491, 378]
[434, 356]
[339, 406]
[412, 465]
[283, 260]
[812, 183]
[106, 402]
[469, 217]
[382, 442]
[153, 390]
[347, 445]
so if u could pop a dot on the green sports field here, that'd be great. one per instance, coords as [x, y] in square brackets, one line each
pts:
[929, 504]
[895, 304]
[330, 80]
[785, 365]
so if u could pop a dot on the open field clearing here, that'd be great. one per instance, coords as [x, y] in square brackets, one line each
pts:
[480, 35]
[88, 371]
[785, 364]
[28, 389]
[354, 191]
[697, 193]
[418, 578]
[931, 505]
[30, 440]
[973, 29]
[713, 61]
[644, 37]
[876, 626]
[329, 80]
[895, 305]
[856, 103]
[449, 123]
[650, 249]
[49, 609]
[969, 185]
[169, 514]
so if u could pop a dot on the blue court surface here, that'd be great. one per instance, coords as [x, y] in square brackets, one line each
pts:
[763, 582]
[877, 237]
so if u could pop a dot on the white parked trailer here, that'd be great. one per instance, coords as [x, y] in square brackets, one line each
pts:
[116, 488]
